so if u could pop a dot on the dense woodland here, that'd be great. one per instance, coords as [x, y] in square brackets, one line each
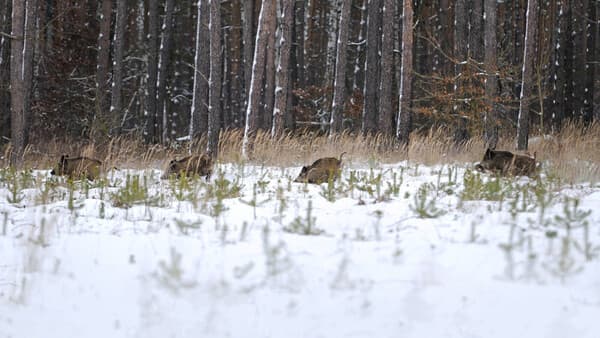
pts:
[166, 69]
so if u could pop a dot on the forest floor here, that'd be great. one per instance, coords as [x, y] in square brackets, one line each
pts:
[389, 250]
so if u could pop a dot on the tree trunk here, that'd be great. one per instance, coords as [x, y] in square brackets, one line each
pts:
[491, 82]
[476, 42]
[404, 109]
[559, 78]
[28, 56]
[339, 86]
[236, 72]
[199, 114]
[214, 83]
[446, 14]
[369, 116]
[359, 77]
[311, 43]
[398, 48]
[17, 86]
[300, 11]
[102, 119]
[269, 90]
[248, 36]
[460, 55]
[5, 9]
[116, 105]
[151, 123]
[387, 69]
[579, 38]
[162, 103]
[527, 76]
[282, 83]
[596, 88]
[330, 30]
[265, 29]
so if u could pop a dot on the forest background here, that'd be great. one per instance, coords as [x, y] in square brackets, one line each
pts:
[88, 72]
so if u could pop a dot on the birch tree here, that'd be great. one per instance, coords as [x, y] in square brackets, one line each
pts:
[214, 83]
[282, 81]
[116, 105]
[527, 75]
[387, 74]
[163, 63]
[339, 84]
[491, 82]
[404, 126]
[265, 28]
[199, 114]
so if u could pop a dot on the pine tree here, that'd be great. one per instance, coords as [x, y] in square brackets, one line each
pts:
[102, 118]
[151, 122]
[214, 83]
[116, 106]
[339, 86]
[282, 82]
[527, 76]
[199, 113]
[491, 82]
[163, 64]
[404, 126]
[265, 29]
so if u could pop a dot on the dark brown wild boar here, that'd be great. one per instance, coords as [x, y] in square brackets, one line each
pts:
[200, 165]
[506, 163]
[321, 170]
[523, 165]
[78, 167]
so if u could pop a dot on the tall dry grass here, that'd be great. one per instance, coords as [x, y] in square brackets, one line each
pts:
[572, 154]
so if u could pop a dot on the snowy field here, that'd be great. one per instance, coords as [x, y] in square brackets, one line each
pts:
[398, 250]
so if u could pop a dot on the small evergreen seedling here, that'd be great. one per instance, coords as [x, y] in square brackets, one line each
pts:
[423, 206]
[304, 226]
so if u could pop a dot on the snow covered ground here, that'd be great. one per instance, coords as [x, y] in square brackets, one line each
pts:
[399, 250]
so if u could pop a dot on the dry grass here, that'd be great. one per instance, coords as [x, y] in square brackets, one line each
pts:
[571, 154]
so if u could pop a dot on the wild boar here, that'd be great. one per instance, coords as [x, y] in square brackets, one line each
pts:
[78, 167]
[506, 163]
[523, 165]
[321, 170]
[200, 165]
